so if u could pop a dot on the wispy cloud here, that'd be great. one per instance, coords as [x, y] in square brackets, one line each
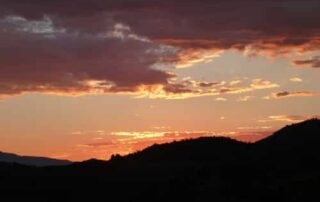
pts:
[205, 84]
[245, 98]
[189, 88]
[139, 135]
[290, 118]
[263, 84]
[235, 82]
[189, 57]
[93, 132]
[313, 62]
[221, 99]
[296, 79]
[285, 94]
[256, 84]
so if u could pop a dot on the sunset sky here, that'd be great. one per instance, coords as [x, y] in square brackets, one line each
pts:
[84, 79]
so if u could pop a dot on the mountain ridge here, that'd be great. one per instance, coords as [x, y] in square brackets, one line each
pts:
[31, 160]
[196, 170]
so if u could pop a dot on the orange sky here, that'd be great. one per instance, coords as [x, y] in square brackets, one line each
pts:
[80, 82]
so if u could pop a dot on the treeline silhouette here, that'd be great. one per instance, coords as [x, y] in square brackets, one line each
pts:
[282, 167]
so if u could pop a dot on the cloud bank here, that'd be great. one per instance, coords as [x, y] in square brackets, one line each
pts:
[92, 46]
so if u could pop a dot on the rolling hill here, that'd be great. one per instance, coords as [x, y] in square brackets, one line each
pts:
[282, 167]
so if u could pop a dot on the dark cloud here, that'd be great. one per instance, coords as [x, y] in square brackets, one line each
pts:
[204, 24]
[98, 144]
[285, 94]
[38, 57]
[275, 27]
[208, 84]
[313, 62]
[81, 46]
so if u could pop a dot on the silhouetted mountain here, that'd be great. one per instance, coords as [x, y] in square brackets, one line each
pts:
[31, 160]
[294, 144]
[299, 135]
[282, 167]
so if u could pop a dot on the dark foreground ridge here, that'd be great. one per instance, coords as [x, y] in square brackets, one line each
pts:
[282, 167]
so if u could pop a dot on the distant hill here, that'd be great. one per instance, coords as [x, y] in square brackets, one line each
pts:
[32, 161]
[282, 167]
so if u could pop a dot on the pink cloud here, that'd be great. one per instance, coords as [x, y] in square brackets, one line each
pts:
[113, 46]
